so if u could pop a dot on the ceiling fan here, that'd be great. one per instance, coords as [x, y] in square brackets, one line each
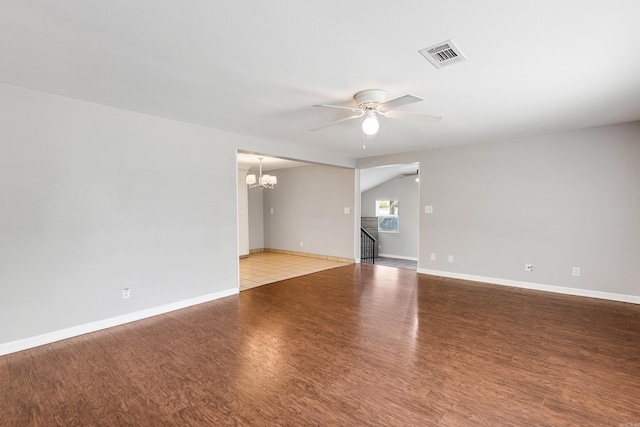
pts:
[371, 103]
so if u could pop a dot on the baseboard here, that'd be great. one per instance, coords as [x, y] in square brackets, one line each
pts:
[408, 258]
[24, 344]
[536, 286]
[311, 255]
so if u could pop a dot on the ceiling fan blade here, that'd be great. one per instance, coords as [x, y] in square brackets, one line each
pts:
[354, 109]
[338, 121]
[398, 102]
[411, 116]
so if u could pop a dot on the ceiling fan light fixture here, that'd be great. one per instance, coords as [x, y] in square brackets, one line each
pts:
[370, 125]
[372, 103]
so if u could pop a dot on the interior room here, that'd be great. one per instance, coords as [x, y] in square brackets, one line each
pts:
[127, 211]
[394, 230]
[268, 211]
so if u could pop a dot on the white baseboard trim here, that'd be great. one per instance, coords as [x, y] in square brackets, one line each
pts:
[24, 344]
[536, 286]
[408, 258]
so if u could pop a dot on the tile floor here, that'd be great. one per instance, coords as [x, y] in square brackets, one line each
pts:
[261, 268]
[397, 263]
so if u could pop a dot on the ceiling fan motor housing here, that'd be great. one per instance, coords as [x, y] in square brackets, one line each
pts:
[370, 99]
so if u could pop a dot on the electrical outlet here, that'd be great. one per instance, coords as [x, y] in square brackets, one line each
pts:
[126, 293]
[528, 267]
[450, 258]
[433, 257]
[428, 209]
[301, 243]
[347, 211]
[271, 210]
[576, 271]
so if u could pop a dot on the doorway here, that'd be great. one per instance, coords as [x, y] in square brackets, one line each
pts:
[285, 231]
[389, 197]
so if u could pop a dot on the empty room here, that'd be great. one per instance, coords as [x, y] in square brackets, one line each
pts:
[196, 200]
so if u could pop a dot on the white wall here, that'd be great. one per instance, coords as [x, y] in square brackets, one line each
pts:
[94, 199]
[243, 213]
[308, 205]
[403, 244]
[557, 201]
[256, 224]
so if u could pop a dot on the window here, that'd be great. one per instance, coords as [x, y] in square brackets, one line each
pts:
[387, 213]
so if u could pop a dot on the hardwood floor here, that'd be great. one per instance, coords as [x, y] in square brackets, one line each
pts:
[356, 345]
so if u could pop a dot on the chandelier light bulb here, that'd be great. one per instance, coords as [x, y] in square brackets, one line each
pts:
[370, 125]
[262, 181]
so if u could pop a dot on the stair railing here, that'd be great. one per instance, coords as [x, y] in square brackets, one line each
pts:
[368, 247]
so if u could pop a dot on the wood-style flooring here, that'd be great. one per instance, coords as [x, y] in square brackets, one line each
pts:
[359, 345]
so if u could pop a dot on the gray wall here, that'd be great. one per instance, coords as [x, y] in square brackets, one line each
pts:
[256, 224]
[403, 244]
[94, 199]
[558, 201]
[308, 205]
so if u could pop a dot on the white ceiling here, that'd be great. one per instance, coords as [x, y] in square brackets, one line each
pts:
[256, 67]
[252, 161]
[369, 178]
[372, 177]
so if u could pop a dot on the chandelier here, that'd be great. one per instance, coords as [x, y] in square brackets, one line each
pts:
[263, 181]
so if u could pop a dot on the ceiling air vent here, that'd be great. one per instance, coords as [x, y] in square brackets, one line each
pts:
[442, 54]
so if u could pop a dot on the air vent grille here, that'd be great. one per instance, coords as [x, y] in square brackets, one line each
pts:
[443, 54]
